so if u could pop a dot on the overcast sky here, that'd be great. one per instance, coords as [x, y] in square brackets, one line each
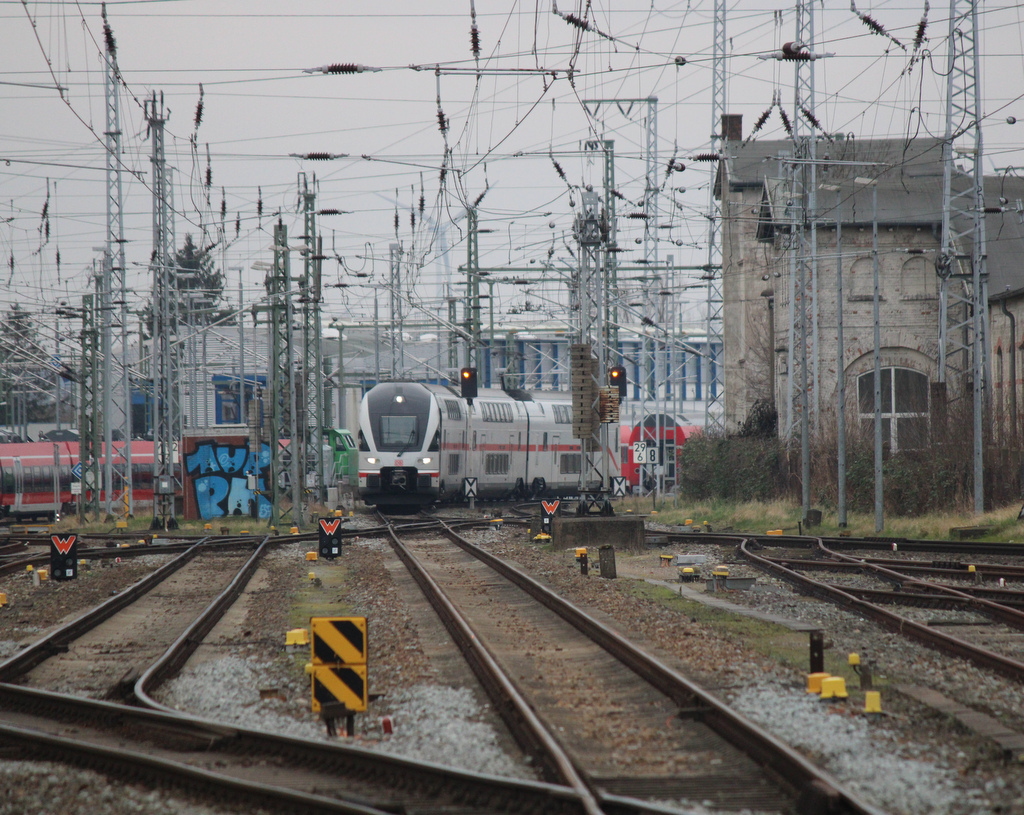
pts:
[507, 127]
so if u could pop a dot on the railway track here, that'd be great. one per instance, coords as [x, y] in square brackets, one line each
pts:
[593, 711]
[159, 746]
[909, 588]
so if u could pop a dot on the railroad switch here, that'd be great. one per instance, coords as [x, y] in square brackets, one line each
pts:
[581, 558]
[814, 681]
[296, 637]
[863, 670]
[833, 687]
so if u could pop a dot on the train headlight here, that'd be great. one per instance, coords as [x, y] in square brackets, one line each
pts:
[371, 460]
[426, 460]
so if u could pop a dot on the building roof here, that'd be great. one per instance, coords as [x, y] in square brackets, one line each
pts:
[908, 178]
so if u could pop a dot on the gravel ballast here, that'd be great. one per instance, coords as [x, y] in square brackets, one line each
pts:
[906, 761]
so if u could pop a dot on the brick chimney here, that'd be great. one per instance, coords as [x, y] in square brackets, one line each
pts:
[732, 126]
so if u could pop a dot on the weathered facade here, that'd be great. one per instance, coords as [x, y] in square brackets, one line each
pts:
[892, 188]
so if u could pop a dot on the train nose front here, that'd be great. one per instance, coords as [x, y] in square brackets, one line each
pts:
[398, 479]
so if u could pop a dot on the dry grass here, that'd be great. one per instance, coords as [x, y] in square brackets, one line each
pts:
[759, 517]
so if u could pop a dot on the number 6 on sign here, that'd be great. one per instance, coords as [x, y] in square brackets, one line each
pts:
[644, 453]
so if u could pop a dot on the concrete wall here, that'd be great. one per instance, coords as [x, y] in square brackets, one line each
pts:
[625, 534]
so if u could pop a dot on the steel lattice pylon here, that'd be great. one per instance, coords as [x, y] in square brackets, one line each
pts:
[963, 289]
[166, 399]
[285, 467]
[714, 413]
[312, 426]
[89, 411]
[116, 387]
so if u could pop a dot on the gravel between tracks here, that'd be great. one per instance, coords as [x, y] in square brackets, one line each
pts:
[910, 761]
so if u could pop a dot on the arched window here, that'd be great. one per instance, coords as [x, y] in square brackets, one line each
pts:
[859, 281]
[904, 407]
[918, 280]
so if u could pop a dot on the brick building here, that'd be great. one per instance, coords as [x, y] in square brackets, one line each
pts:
[761, 195]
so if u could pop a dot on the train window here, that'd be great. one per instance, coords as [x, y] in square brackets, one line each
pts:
[496, 463]
[398, 432]
[362, 443]
[454, 462]
[453, 409]
[563, 414]
[350, 443]
[544, 442]
[496, 412]
[570, 464]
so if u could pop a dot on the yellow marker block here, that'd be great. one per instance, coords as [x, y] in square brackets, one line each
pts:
[3, 599]
[581, 551]
[853, 659]
[773, 532]
[834, 687]
[43, 574]
[142, 540]
[124, 546]
[311, 556]
[121, 524]
[351, 513]
[543, 536]
[312, 575]
[207, 526]
[338, 513]
[244, 532]
[295, 530]
[814, 681]
[155, 536]
[297, 636]
[971, 569]
[872, 701]
[654, 512]
[688, 521]
[29, 568]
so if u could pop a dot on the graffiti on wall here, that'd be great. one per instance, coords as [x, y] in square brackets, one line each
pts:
[219, 472]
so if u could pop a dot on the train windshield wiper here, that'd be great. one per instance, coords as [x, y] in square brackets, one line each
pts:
[408, 442]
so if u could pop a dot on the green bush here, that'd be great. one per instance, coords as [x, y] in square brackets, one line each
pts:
[734, 469]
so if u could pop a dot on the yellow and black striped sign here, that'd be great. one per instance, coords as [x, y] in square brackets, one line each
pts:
[340, 683]
[338, 640]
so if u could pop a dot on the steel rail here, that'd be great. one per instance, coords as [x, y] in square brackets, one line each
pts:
[1004, 614]
[1010, 668]
[814, 790]
[513, 707]
[178, 653]
[479, 791]
[56, 641]
[134, 765]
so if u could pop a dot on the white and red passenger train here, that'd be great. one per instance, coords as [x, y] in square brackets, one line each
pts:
[418, 443]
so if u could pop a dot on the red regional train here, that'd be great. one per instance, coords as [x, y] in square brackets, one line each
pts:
[654, 442]
[36, 477]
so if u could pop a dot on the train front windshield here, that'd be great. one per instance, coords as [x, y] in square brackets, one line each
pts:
[398, 432]
[397, 415]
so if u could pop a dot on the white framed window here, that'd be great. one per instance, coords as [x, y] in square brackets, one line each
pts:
[904, 407]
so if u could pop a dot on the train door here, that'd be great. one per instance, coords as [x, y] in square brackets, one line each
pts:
[668, 458]
[556, 477]
[19, 486]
